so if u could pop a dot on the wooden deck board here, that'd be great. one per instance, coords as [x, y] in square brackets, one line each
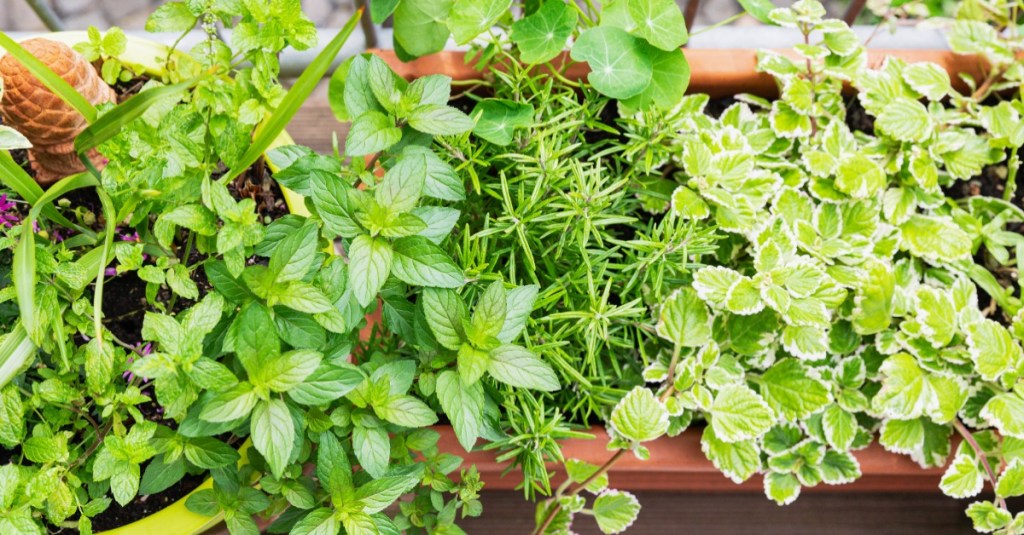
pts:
[741, 514]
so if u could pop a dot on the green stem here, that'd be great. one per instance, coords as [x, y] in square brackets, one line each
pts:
[980, 454]
[719, 24]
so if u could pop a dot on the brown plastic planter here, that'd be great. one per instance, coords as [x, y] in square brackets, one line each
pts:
[719, 73]
[677, 463]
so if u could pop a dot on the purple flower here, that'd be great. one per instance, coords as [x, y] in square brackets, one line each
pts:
[131, 237]
[7, 217]
[145, 350]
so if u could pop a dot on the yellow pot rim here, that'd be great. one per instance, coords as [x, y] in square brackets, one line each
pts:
[148, 57]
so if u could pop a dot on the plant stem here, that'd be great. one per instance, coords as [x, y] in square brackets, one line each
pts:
[719, 24]
[46, 14]
[966, 433]
[690, 15]
[986, 86]
[856, 6]
[556, 507]
[604, 468]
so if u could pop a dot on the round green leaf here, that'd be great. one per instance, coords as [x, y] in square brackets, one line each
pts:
[620, 67]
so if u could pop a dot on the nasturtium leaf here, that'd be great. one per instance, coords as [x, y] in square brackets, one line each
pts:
[639, 416]
[542, 35]
[660, 22]
[738, 413]
[619, 67]
[839, 468]
[497, 119]
[419, 262]
[370, 262]
[737, 460]
[859, 176]
[615, 511]
[684, 319]
[470, 18]
[784, 489]
[380, 10]
[273, 433]
[904, 119]
[988, 517]
[992, 349]
[935, 238]
[420, 26]
[1006, 413]
[963, 478]
[792, 391]
[759, 9]
[670, 76]
[371, 132]
[1011, 481]
[518, 366]
[928, 79]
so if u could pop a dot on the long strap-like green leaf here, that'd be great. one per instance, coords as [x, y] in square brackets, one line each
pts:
[49, 78]
[24, 265]
[15, 352]
[110, 123]
[296, 96]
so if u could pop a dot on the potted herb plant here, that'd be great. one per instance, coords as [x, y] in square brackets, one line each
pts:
[96, 386]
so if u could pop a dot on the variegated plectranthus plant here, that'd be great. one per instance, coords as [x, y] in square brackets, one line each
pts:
[844, 298]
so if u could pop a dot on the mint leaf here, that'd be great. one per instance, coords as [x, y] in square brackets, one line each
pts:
[371, 132]
[370, 262]
[402, 185]
[273, 433]
[439, 120]
[464, 406]
[1006, 413]
[517, 366]
[419, 262]
[445, 311]
[406, 411]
